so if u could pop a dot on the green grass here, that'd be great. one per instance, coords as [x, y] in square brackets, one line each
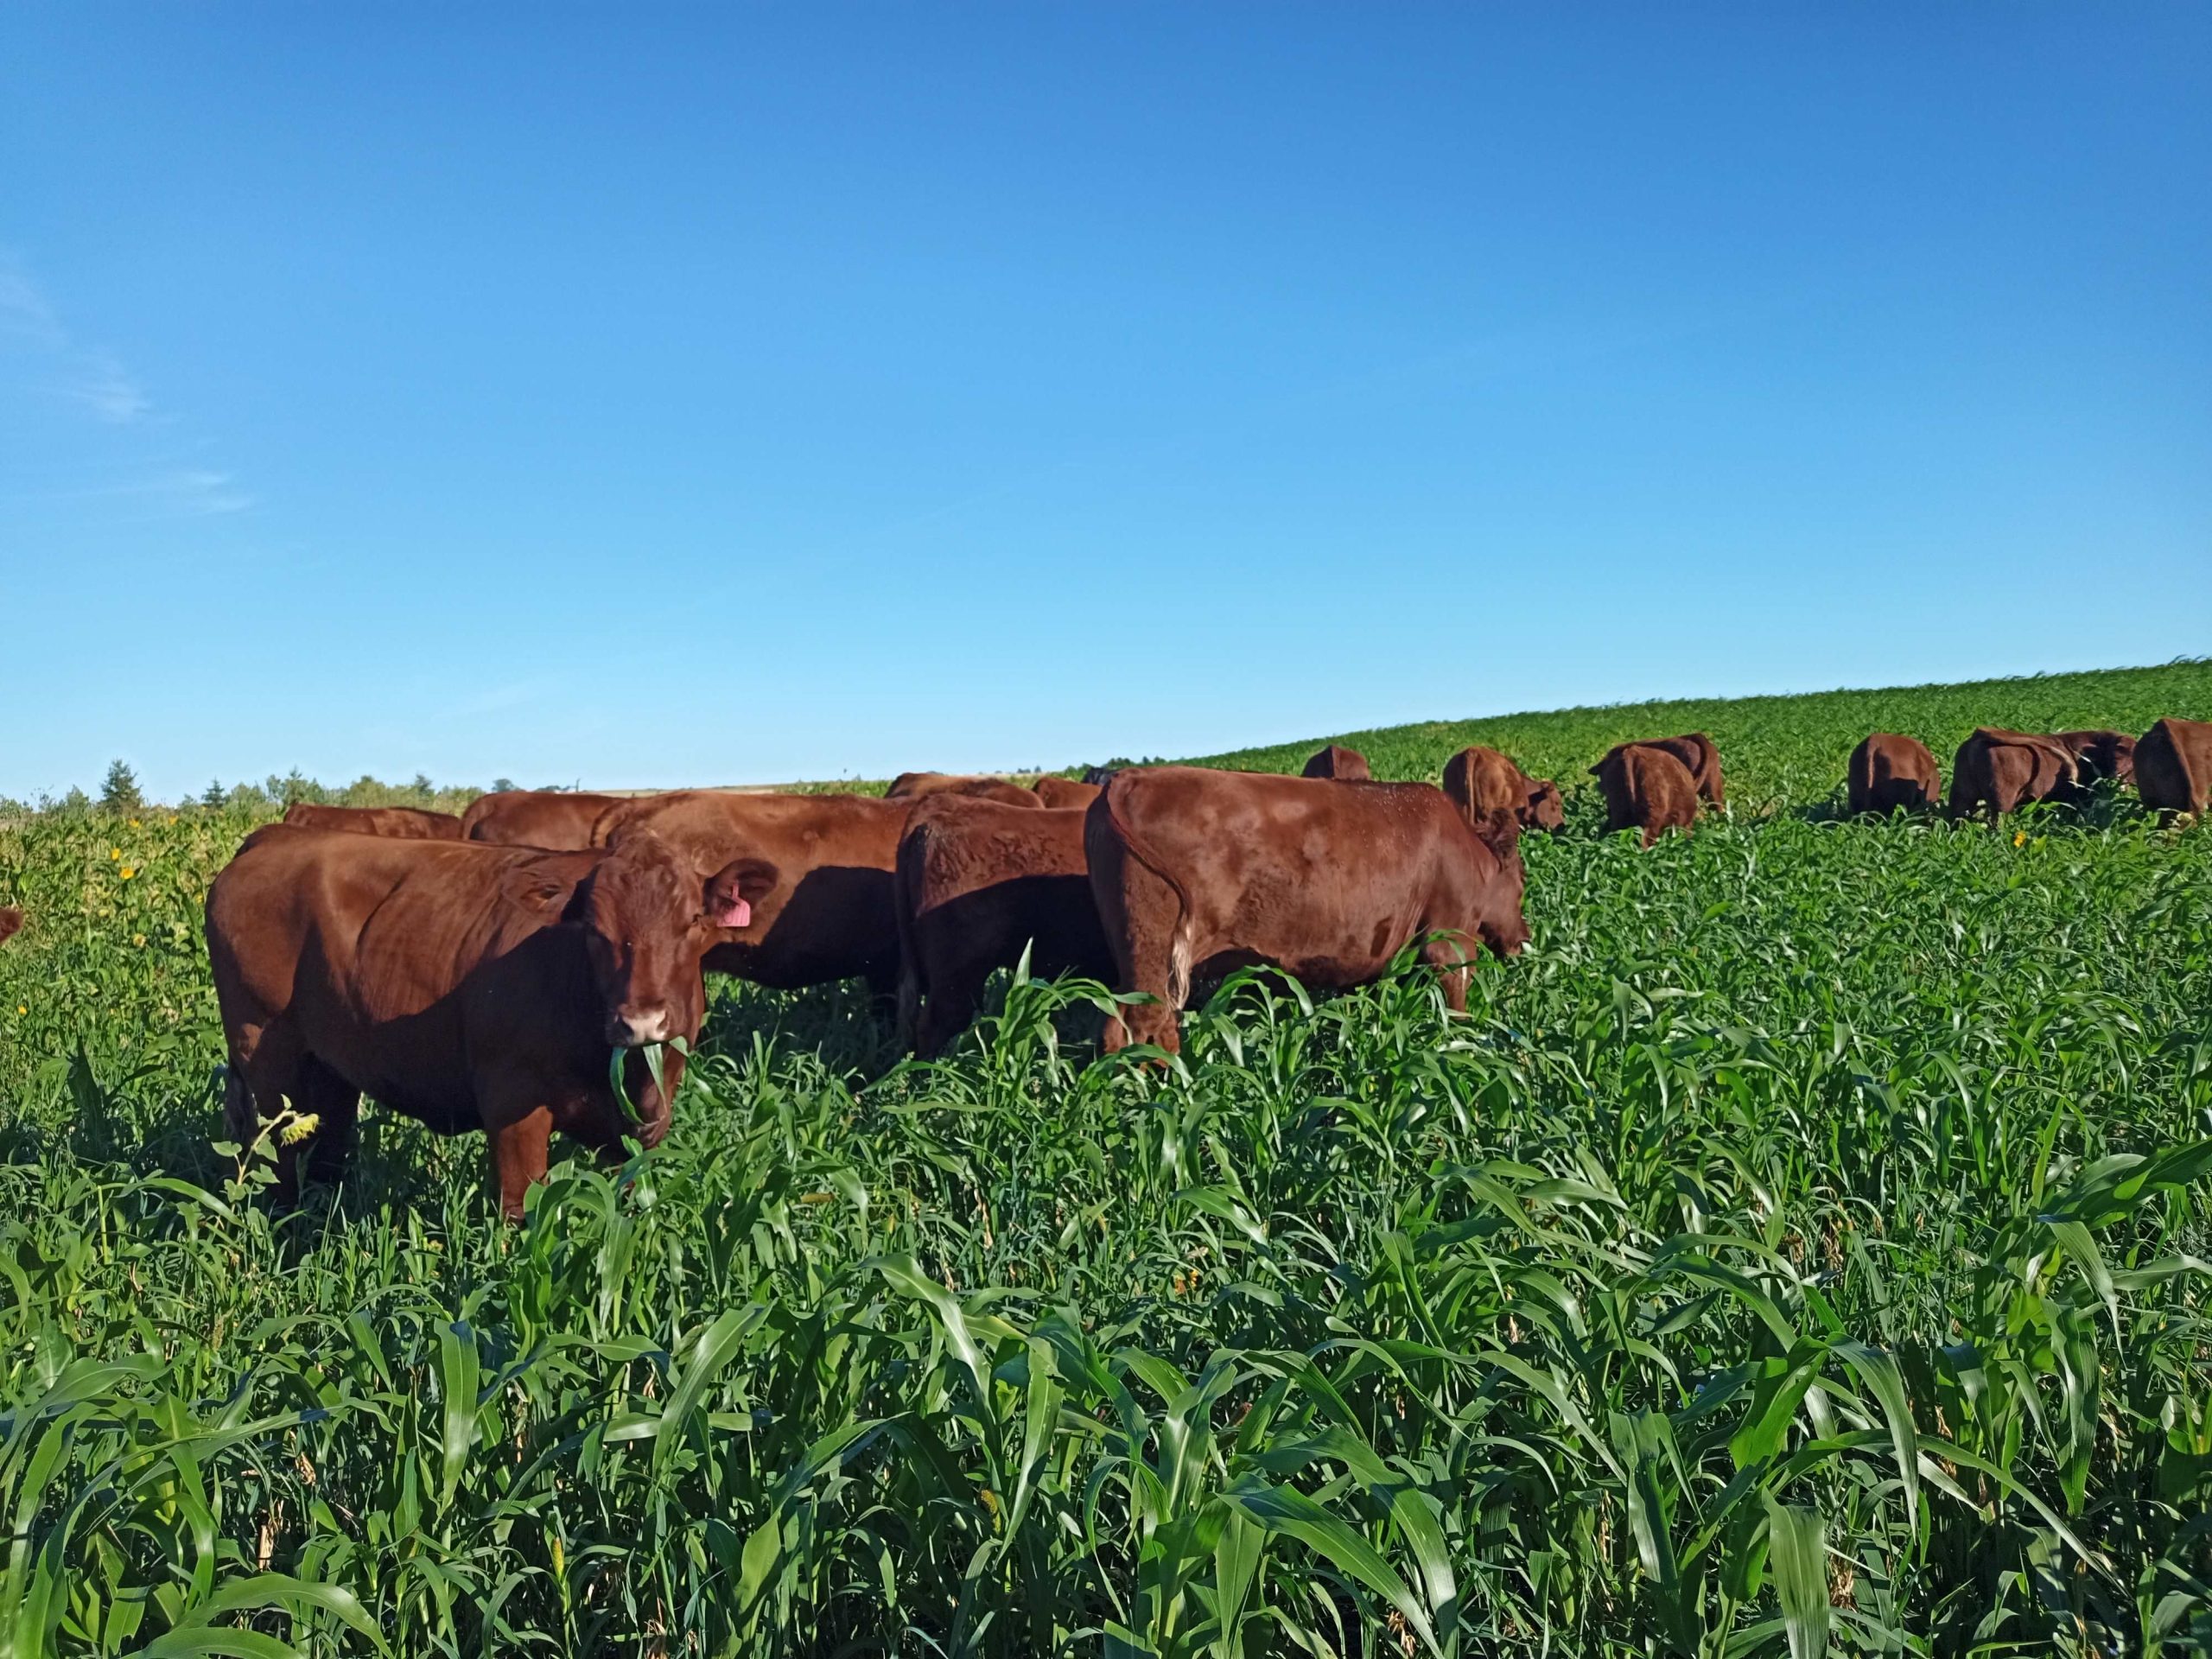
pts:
[1802, 1245]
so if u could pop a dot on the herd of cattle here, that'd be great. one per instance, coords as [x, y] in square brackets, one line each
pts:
[497, 969]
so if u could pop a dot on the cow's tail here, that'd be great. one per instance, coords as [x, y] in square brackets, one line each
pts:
[1108, 819]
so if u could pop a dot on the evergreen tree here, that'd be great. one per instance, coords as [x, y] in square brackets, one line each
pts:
[119, 793]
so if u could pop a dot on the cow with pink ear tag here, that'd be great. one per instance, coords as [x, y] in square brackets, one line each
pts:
[468, 985]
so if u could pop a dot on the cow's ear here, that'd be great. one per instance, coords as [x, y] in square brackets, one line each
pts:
[1500, 831]
[542, 888]
[733, 890]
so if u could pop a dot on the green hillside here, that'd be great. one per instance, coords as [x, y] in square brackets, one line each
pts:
[1775, 749]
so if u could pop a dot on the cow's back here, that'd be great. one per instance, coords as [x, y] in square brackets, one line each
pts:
[551, 819]
[1061, 794]
[917, 786]
[399, 822]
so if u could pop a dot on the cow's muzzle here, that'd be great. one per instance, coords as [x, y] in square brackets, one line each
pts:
[636, 1027]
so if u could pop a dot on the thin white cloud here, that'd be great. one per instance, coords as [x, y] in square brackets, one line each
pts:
[197, 492]
[97, 382]
[92, 378]
[24, 313]
[179, 493]
[104, 387]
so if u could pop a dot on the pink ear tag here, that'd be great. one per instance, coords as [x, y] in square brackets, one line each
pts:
[737, 913]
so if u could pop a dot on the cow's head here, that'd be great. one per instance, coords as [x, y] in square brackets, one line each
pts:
[1500, 925]
[647, 919]
[1545, 809]
[10, 920]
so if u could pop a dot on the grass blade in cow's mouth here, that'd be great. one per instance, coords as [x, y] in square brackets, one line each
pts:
[656, 1066]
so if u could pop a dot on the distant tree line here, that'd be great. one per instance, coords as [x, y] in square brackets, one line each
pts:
[121, 796]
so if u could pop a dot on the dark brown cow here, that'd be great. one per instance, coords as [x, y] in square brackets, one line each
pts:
[1646, 787]
[1892, 773]
[2173, 765]
[912, 785]
[978, 882]
[557, 820]
[1481, 781]
[2001, 770]
[1198, 873]
[831, 916]
[1345, 765]
[401, 822]
[11, 922]
[2099, 755]
[472, 987]
[1060, 793]
[1698, 758]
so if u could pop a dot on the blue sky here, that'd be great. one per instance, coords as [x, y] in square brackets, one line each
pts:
[653, 395]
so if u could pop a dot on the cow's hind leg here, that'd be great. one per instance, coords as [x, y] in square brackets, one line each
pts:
[266, 1065]
[1152, 952]
[335, 1106]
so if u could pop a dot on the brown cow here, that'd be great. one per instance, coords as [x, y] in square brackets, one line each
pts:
[2099, 755]
[831, 916]
[1890, 773]
[471, 987]
[557, 820]
[11, 922]
[1646, 787]
[1345, 765]
[1698, 758]
[912, 785]
[1481, 781]
[2002, 770]
[978, 882]
[401, 823]
[2173, 765]
[1197, 873]
[1060, 793]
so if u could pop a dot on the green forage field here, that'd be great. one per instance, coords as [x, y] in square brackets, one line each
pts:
[1803, 1246]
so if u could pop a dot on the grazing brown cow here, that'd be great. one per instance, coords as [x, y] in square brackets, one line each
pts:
[401, 823]
[2099, 755]
[1481, 781]
[912, 785]
[1698, 758]
[1891, 771]
[471, 987]
[11, 922]
[557, 820]
[2002, 770]
[830, 916]
[978, 882]
[2173, 765]
[1198, 873]
[1646, 787]
[1345, 765]
[1062, 793]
